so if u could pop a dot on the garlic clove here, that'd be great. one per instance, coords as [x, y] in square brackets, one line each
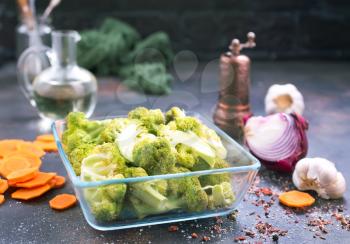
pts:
[284, 98]
[338, 188]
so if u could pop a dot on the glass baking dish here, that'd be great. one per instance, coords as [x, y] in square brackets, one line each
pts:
[242, 172]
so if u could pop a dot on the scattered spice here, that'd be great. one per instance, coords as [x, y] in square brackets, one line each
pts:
[173, 228]
[194, 235]
[206, 238]
[240, 238]
[266, 191]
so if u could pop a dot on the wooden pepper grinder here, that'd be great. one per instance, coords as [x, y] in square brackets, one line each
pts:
[233, 104]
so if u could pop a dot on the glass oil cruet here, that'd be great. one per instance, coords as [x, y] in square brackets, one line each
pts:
[61, 86]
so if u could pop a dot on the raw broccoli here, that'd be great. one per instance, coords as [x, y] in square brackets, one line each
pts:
[77, 155]
[115, 157]
[154, 155]
[173, 113]
[221, 195]
[213, 179]
[106, 202]
[150, 118]
[80, 131]
[112, 128]
[185, 156]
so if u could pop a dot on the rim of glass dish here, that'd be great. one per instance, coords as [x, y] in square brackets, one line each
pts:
[83, 184]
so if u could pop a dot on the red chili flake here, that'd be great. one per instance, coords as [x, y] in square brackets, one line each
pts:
[206, 238]
[217, 229]
[266, 191]
[173, 228]
[194, 235]
[249, 233]
[240, 238]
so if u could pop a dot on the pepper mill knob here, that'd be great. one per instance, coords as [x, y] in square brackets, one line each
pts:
[236, 46]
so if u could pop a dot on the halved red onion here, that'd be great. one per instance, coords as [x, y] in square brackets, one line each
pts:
[278, 140]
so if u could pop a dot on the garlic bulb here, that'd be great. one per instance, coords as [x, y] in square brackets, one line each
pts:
[320, 175]
[284, 98]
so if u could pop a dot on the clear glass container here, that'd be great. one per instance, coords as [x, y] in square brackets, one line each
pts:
[61, 86]
[242, 172]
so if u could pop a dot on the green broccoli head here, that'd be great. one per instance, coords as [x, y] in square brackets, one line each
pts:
[77, 155]
[150, 118]
[106, 202]
[156, 156]
[221, 195]
[213, 179]
[112, 128]
[185, 156]
[80, 131]
[173, 113]
[112, 151]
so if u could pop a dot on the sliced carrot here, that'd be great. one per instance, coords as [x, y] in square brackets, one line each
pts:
[8, 146]
[21, 175]
[45, 138]
[3, 186]
[29, 193]
[31, 148]
[32, 158]
[40, 179]
[59, 181]
[296, 199]
[62, 201]
[13, 163]
[52, 182]
[2, 199]
[47, 146]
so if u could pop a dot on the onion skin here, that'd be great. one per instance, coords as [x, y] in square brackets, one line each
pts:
[287, 165]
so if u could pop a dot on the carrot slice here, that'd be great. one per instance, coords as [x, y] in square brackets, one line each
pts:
[13, 163]
[21, 175]
[29, 193]
[31, 148]
[45, 138]
[8, 146]
[3, 186]
[59, 181]
[62, 201]
[52, 182]
[2, 199]
[32, 158]
[296, 199]
[47, 146]
[40, 179]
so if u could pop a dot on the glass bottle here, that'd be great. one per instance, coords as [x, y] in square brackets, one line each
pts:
[62, 86]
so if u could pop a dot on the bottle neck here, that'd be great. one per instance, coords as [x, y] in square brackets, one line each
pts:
[64, 48]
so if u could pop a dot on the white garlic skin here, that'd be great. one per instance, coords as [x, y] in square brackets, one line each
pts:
[276, 91]
[320, 175]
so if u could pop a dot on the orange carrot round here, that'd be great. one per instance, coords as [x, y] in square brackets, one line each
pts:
[32, 158]
[31, 148]
[30, 193]
[13, 163]
[59, 181]
[40, 179]
[45, 138]
[3, 186]
[47, 146]
[2, 199]
[8, 146]
[296, 199]
[21, 175]
[62, 201]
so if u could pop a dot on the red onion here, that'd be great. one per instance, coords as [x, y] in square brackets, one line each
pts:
[278, 140]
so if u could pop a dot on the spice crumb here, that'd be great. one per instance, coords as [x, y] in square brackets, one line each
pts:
[173, 228]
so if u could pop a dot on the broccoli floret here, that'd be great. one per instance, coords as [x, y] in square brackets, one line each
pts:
[213, 179]
[106, 202]
[80, 131]
[154, 155]
[150, 118]
[77, 155]
[173, 113]
[189, 190]
[111, 128]
[111, 150]
[221, 195]
[185, 156]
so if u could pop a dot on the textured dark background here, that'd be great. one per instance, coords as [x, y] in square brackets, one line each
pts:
[286, 29]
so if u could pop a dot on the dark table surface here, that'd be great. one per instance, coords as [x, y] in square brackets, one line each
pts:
[326, 89]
